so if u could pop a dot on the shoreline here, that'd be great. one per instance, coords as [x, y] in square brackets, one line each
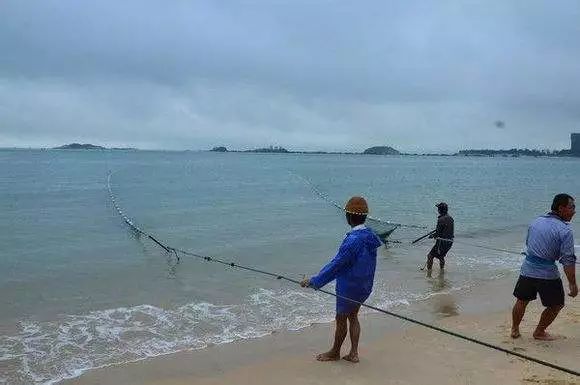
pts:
[482, 312]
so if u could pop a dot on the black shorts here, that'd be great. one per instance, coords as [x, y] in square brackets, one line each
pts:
[440, 249]
[551, 290]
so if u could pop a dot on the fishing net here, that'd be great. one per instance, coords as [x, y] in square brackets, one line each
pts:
[382, 228]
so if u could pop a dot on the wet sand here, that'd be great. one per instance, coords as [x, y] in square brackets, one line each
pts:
[391, 351]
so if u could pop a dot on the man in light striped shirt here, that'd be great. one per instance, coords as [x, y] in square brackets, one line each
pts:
[549, 239]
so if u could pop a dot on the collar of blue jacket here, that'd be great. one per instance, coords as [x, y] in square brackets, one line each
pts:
[357, 227]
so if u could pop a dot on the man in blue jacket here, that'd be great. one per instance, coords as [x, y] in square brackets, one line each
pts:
[353, 267]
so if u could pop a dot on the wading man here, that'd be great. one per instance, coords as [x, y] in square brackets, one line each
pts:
[443, 235]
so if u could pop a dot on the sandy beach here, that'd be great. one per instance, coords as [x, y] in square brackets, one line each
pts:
[392, 352]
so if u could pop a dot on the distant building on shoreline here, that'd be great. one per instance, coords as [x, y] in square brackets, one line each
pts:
[575, 144]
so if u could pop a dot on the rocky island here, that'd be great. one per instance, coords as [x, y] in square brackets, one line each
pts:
[381, 150]
[79, 146]
[88, 146]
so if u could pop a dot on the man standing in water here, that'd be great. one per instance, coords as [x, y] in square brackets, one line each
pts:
[443, 235]
[353, 267]
[549, 239]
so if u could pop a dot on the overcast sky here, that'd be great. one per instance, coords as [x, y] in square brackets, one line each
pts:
[306, 75]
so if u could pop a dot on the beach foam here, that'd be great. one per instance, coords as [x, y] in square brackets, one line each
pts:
[49, 351]
[46, 352]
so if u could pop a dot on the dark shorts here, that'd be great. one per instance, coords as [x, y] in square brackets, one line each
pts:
[551, 290]
[440, 249]
[344, 306]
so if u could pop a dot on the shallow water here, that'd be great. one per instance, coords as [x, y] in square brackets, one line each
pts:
[80, 291]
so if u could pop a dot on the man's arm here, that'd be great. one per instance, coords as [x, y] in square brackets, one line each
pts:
[570, 272]
[430, 235]
[329, 272]
[568, 261]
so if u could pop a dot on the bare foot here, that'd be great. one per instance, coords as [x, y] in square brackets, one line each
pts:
[515, 333]
[543, 336]
[328, 356]
[352, 357]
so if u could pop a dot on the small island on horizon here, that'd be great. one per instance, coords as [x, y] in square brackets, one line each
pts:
[377, 150]
[381, 150]
[88, 146]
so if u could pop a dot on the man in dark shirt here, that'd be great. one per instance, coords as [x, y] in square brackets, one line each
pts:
[443, 235]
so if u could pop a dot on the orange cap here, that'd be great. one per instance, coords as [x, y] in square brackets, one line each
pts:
[357, 206]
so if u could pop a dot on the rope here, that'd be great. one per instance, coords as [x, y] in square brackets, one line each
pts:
[464, 243]
[384, 311]
[326, 198]
[481, 246]
[176, 251]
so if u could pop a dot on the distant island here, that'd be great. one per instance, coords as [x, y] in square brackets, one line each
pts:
[219, 149]
[271, 149]
[88, 146]
[79, 146]
[276, 150]
[387, 150]
[377, 150]
[381, 150]
[515, 152]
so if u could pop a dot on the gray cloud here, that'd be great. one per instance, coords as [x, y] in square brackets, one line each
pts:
[330, 75]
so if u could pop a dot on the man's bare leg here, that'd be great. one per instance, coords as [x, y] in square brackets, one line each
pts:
[339, 335]
[548, 316]
[518, 312]
[429, 262]
[354, 330]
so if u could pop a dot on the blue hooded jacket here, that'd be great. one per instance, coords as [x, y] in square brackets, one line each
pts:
[353, 267]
